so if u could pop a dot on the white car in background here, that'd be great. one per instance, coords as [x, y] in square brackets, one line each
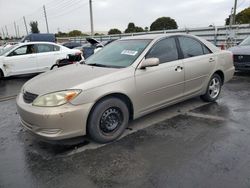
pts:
[31, 57]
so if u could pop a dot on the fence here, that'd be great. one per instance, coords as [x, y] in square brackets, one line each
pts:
[218, 35]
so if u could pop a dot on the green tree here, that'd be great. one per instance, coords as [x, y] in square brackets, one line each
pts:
[133, 29]
[61, 34]
[34, 27]
[114, 31]
[242, 17]
[75, 33]
[163, 23]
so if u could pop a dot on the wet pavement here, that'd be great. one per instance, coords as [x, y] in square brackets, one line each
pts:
[206, 145]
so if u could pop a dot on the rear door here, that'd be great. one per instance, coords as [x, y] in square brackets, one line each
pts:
[21, 61]
[198, 63]
[162, 84]
[46, 56]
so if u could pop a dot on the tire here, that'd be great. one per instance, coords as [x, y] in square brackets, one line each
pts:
[54, 67]
[213, 89]
[108, 120]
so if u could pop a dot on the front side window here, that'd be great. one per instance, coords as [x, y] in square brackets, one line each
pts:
[190, 47]
[165, 50]
[119, 54]
[43, 48]
[24, 50]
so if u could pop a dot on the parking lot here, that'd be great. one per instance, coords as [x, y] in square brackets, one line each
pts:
[192, 144]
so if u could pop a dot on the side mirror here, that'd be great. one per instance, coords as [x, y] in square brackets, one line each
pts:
[150, 62]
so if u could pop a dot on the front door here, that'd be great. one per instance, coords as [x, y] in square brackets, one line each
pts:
[160, 85]
[21, 61]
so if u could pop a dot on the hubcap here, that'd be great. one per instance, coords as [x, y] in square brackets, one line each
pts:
[111, 120]
[214, 88]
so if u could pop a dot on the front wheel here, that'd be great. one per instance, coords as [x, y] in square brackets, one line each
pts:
[213, 89]
[108, 120]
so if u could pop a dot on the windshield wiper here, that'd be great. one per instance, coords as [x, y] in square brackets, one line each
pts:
[97, 65]
[102, 65]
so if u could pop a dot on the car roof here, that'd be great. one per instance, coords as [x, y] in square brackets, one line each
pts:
[155, 36]
[22, 43]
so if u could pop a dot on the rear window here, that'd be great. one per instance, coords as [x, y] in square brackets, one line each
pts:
[190, 47]
[43, 48]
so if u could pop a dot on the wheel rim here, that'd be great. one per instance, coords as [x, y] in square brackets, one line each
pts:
[111, 120]
[214, 88]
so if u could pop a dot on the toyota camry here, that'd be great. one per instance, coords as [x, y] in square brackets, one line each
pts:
[126, 80]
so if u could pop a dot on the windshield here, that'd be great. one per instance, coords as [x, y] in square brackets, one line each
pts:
[119, 53]
[4, 51]
[245, 42]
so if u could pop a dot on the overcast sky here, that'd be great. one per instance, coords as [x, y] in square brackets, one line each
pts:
[66, 15]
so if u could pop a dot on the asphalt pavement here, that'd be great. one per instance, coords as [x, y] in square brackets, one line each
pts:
[192, 144]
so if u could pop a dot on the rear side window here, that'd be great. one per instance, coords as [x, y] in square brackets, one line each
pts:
[43, 48]
[190, 47]
[206, 50]
[165, 50]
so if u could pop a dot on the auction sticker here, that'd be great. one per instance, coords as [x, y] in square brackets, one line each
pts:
[129, 52]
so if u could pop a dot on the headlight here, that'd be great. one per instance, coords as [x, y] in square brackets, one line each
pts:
[56, 99]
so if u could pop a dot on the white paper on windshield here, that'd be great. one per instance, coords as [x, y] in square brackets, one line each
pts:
[129, 52]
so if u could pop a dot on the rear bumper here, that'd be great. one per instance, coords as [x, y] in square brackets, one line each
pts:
[54, 123]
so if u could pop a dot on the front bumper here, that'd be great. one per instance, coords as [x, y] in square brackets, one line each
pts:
[242, 65]
[54, 123]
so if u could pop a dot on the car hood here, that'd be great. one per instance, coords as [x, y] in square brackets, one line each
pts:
[75, 76]
[240, 50]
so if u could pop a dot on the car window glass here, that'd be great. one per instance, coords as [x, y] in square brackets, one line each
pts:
[165, 50]
[42, 48]
[206, 50]
[24, 50]
[190, 47]
[56, 48]
[20, 51]
[119, 53]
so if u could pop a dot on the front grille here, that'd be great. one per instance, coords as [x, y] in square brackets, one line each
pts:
[242, 58]
[29, 97]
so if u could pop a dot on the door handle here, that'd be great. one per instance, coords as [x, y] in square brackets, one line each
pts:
[178, 68]
[211, 59]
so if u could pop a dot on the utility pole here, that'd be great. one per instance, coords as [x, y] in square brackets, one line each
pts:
[231, 18]
[3, 33]
[25, 25]
[91, 17]
[15, 28]
[7, 34]
[45, 15]
[234, 14]
[18, 33]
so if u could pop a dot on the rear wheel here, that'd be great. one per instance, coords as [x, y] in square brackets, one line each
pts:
[213, 89]
[108, 120]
